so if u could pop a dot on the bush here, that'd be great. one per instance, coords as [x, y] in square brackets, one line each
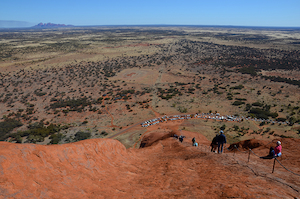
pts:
[37, 132]
[239, 87]
[85, 122]
[248, 70]
[7, 126]
[56, 138]
[223, 127]
[263, 113]
[237, 103]
[182, 109]
[257, 104]
[35, 138]
[80, 135]
[104, 133]
[236, 128]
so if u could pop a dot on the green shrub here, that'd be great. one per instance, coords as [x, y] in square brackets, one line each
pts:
[223, 127]
[37, 132]
[257, 104]
[35, 138]
[104, 133]
[7, 126]
[182, 109]
[56, 138]
[239, 87]
[237, 103]
[80, 135]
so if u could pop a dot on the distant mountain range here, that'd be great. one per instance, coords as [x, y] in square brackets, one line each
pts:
[51, 25]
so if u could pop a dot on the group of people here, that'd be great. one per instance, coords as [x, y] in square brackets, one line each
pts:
[218, 142]
[180, 138]
[220, 139]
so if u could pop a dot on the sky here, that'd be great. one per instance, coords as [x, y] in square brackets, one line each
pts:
[272, 13]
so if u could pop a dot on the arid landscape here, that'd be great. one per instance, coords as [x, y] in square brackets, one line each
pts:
[99, 84]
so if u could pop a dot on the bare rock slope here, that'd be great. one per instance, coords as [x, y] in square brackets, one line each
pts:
[166, 168]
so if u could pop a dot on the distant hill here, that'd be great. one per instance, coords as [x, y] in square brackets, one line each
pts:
[51, 25]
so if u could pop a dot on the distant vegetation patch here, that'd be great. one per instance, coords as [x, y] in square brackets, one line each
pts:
[36, 132]
[263, 113]
[237, 103]
[74, 104]
[7, 126]
[281, 79]
[169, 93]
[80, 135]
[239, 87]
[248, 70]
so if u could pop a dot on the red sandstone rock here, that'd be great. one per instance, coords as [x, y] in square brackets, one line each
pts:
[166, 168]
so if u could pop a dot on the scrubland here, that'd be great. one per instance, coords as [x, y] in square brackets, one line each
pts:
[65, 85]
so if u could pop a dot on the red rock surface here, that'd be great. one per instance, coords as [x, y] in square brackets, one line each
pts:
[166, 168]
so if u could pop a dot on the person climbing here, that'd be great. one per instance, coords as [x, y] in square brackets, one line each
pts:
[277, 150]
[195, 144]
[271, 152]
[214, 144]
[221, 141]
[274, 152]
[193, 140]
[181, 138]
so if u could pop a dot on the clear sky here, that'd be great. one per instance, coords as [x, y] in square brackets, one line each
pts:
[283, 13]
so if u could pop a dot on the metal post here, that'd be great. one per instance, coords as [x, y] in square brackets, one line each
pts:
[234, 150]
[273, 165]
[249, 155]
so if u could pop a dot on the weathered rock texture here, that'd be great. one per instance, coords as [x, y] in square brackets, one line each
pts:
[103, 168]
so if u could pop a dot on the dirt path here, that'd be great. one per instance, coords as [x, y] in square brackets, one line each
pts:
[112, 118]
[124, 131]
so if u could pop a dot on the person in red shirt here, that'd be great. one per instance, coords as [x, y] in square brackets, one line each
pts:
[278, 149]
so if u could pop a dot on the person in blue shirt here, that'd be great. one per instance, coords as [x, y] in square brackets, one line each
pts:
[221, 141]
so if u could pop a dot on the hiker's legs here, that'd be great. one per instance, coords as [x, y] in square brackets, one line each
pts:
[220, 147]
[278, 155]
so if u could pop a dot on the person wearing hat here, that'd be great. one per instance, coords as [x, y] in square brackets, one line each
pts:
[278, 149]
[221, 141]
[214, 144]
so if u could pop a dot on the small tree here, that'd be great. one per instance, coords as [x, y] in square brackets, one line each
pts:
[80, 135]
[223, 127]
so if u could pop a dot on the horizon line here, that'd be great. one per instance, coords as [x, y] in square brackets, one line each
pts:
[155, 25]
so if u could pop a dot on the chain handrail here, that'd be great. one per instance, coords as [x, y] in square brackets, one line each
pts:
[274, 157]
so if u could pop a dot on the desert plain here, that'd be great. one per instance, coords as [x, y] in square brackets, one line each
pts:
[95, 84]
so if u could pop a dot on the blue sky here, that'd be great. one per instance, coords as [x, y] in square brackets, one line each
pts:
[283, 13]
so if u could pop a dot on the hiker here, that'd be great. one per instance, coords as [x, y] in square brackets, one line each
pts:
[277, 150]
[214, 144]
[193, 140]
[271, 152]
[195, 144]
[175, 136]
[181, 138]
[221, 141]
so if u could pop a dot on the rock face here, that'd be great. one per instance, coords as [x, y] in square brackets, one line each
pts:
[103, 168]
[50, 25]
